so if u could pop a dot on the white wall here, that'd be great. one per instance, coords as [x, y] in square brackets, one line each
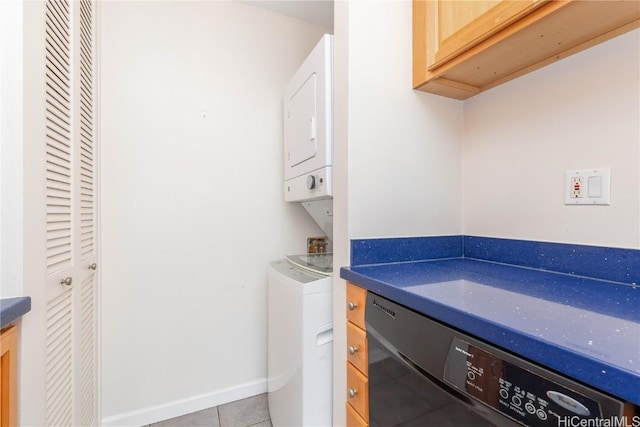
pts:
[404, 145]
[519, 139]
[341, 249]
[11, 149]
[397, 151]
[192, 203]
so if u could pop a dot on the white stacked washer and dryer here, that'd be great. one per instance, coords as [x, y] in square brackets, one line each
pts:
[300, 328]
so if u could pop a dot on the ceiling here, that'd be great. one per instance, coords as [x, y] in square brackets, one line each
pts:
[318, 12]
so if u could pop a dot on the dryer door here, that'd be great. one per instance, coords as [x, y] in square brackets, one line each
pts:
[300, 125]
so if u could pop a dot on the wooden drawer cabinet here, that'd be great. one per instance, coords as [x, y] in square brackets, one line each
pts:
[462, 48]
[357, 348]
[9, 376]
[354, 419]
[356, 301]
[357, 358]
[358, 391]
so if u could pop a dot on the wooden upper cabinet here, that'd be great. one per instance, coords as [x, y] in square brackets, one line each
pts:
[459, 25]
[461, 48]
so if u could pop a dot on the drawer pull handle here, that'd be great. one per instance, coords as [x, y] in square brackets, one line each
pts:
[353, 392]
[352, 349]
[352, 306]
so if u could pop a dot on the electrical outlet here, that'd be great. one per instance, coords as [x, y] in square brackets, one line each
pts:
[587, 187]
[577, 182]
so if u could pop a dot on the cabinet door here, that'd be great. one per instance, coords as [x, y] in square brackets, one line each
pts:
[455, 26]
[9, 376]
[60, 190]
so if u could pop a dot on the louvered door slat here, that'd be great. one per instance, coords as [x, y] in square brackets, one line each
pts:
[59, 367]
[55, 199]
[60, 413]
[85, 66]
[58, 74]
[85, 12]
[58, 209]
[57, 353]
[57, 232]
[86, 182]
[56, 110]
[55, 107]
[55, 42]
[87, 352]
[61, 10]
[86, 129]
[58, 204]
[58, 70]
[85, 119]
[58, 360]
[86, 178]
[86, 152]
[59, 173]
[58, 132]
[56, 191]
[62, 242]
[86, 204]
[57, 113]
[57, 261]
[58, 170]
[56, 314]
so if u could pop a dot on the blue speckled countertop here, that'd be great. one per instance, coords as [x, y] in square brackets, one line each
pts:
[12, 309]
[587, 329]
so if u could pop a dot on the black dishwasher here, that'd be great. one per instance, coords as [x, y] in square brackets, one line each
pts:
[424, 373]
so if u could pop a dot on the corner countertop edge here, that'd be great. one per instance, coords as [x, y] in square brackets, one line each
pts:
[11, 309]
[578, 366]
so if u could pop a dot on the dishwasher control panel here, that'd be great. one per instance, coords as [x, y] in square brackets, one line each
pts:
[522, 395]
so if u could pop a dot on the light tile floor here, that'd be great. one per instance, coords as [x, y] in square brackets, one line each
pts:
[252, 411]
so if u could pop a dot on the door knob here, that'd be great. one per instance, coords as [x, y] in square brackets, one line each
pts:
[352, 306]
[66, 281]
[353, 392]
[93, 266]
[353, 350]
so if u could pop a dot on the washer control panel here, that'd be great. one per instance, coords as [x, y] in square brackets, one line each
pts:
[522, 395]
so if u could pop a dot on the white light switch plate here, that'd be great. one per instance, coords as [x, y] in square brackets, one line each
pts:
[588, 187]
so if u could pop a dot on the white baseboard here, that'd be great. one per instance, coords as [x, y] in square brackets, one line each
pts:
[180, 407]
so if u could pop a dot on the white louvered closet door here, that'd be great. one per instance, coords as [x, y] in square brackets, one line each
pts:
[70, 347]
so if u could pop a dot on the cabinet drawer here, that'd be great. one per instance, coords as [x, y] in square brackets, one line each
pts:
[354, 419]
[358, 391]
[357, 347]
[356, 301]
